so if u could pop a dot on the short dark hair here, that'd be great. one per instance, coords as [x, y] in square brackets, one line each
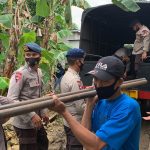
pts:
[121, 52]
[133, 22]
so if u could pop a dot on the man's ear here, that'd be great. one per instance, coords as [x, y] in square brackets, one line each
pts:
[119, 82]
[77, 61]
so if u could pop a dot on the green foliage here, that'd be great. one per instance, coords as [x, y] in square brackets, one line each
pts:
[51, 58]
[4, 37]
[81, 3]
[2, 57]
[3, 2]
[4, 82]
[37, 19]
[74, 26]
[6, 20]
[2, 5]
[42, 8]
[32, 6]
[68, 15]
[60, 20]
[127, 5]
[25, 38]
[63, 33]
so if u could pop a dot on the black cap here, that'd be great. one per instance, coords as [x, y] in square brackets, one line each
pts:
[108, 68]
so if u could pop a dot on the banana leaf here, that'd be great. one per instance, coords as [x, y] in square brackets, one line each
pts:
[127, 5]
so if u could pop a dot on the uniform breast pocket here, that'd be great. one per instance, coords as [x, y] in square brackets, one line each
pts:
[34, 83]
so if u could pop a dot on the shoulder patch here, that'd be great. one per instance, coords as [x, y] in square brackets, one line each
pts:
[18, 76]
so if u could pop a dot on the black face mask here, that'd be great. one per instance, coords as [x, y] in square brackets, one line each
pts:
[107, 91]
[32, 61]
[81, 66]
[124, 62]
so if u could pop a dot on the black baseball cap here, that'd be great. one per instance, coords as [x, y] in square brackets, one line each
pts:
[108, 68]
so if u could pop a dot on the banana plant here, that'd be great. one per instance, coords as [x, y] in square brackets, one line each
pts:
[4, 83]
[127, 5]
[51, 22]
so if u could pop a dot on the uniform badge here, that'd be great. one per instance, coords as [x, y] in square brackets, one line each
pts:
[34, 84]
[18, 76]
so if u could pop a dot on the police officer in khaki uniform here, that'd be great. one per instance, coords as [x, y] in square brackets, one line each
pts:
[25, 84]
[141, 43]
[70, 83]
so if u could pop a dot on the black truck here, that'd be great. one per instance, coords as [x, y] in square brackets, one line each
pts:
[104, 29]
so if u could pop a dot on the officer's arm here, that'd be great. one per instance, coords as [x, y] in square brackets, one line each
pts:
[146, 42]
[5, 100]
[76, 85]
[16, 84]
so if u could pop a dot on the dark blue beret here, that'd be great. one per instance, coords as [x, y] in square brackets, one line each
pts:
[75, 53]
[33, 47]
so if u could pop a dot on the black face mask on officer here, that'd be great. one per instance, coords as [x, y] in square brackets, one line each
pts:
[107, 91]
[32, 61]
[81, 65]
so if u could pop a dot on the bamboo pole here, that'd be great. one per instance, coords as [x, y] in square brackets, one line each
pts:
[10, 112]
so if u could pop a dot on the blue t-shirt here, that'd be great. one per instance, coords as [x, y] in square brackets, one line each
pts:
[117, 122]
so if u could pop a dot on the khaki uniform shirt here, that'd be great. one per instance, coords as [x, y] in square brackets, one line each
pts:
[142, 41]
[3, 101]
[71, 83]
[25, 84]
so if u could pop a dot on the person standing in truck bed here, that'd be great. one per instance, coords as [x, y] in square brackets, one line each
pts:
[141, 43]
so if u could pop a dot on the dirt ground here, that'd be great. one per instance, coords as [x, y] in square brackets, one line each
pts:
[55, 134]
[57, 138]
[145, 136]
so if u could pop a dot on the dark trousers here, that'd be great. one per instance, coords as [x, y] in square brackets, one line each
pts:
[4, 139]
[32, 139]
[138, 61]
[72, 142]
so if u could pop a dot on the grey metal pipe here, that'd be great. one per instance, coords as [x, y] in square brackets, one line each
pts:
[10, 112]
[59, 95]
[5, 113]
[41, 99]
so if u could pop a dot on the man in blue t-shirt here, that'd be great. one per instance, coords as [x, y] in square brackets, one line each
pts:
[113, 120]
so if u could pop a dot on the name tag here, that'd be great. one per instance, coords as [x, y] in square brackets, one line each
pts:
[34, 83]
